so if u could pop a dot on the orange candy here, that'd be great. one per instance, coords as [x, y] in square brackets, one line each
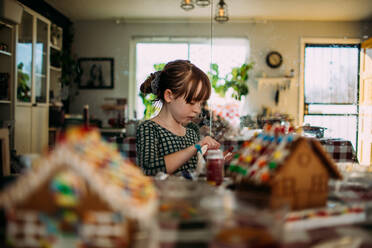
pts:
[262, 163]
[246, 143]
[265, 177]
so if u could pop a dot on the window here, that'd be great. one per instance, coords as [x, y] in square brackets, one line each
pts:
[331, 88]
[287, 186]
[319, 183]
[198, 50]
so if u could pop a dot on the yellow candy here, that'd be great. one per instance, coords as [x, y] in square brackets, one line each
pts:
[70, 217]
[277, 155]
[248, 158]
[258, 147]
[66, 200]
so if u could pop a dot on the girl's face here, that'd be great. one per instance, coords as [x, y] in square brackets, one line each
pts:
[182, 111]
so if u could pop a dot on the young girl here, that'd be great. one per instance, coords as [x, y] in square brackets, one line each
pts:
[163, 142]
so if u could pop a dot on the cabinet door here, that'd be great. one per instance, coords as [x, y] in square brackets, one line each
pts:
[24, 58]
[32, 59]
[39, 132]
[23, 127]
[41, 61]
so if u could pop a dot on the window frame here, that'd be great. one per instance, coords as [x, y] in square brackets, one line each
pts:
[315, 41]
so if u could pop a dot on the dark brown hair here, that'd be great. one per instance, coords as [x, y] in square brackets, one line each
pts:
[182, 78]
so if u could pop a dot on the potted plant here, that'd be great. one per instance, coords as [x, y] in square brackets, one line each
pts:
[236, 80]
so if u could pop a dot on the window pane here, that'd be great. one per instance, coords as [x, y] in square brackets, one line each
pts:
[40, 61]
[149, 54]
[200, 55]
[24, 58]
[331, 74]
[337, 126]
[227, 54]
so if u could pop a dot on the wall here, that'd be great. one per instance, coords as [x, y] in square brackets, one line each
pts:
[108, 39]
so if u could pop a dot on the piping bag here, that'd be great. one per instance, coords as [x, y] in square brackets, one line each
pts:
[200, 166]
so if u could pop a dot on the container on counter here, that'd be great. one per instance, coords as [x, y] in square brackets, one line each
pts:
[215, 167]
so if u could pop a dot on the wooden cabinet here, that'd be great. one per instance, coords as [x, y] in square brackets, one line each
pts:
[32, 83]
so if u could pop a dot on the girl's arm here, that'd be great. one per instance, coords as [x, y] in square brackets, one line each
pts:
[175, 160]
[151, 162]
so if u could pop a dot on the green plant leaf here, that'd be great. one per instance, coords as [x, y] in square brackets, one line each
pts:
[159, 67]
[236, 79]
[214, 67]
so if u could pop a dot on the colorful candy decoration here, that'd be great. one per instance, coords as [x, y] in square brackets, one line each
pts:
[260, 156]
[66, 188]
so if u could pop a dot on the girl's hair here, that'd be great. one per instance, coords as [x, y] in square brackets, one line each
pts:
[182, 78]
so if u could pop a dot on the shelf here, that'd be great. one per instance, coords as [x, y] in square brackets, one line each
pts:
[268, 81]
[273, 79]
[5, 101]
[5, 24]
[55, 47]
[57, 69]
[5, 53]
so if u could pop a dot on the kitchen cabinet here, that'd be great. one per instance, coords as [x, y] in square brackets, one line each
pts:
[32, 83]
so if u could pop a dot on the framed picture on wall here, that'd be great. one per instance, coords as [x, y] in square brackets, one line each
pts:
[96, 73]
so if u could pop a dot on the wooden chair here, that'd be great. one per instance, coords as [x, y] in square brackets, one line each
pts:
[5, 152]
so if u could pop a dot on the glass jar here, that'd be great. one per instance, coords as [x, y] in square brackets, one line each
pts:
[215, 167]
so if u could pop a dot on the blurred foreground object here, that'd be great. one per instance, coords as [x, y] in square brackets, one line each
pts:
[83, 188]
[287, 167]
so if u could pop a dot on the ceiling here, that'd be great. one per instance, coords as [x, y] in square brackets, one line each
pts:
[239, 10]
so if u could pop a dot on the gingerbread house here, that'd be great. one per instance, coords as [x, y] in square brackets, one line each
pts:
[82, 194]
[289, 168]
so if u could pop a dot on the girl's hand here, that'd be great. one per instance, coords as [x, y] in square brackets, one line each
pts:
[228, 154]
[210, 142]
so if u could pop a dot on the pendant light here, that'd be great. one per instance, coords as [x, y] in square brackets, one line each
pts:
[187, 4]
[203, 3]
[221, 12]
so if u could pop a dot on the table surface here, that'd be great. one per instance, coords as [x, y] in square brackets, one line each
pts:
[339, 149]
[356, 235]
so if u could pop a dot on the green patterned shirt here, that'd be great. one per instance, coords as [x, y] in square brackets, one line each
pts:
[153, 142]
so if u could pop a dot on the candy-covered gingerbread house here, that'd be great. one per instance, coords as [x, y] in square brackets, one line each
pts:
[293, 169]
[84, 188]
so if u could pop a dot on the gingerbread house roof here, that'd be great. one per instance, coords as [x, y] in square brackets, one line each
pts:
[115, 180]
[261, 157]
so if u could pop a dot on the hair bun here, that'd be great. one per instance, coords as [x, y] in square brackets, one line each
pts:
[155, 82]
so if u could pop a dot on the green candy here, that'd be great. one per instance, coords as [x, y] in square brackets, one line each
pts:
[272, 165]
[242, 171]
[233, 168]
